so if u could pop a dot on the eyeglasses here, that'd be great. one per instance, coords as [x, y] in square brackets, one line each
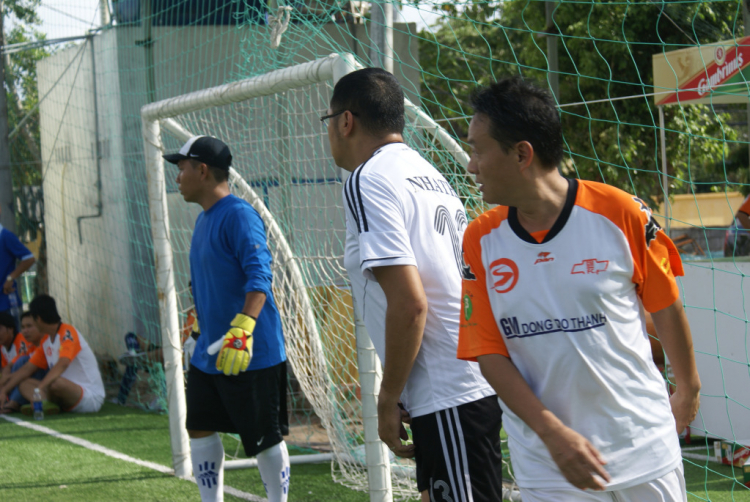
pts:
[326, 117]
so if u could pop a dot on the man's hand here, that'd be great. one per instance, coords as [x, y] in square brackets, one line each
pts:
[8, 287]
[685, 406]
[577, 459]
[237, 346]
[390, 428]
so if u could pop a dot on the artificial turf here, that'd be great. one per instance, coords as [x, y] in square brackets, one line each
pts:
[36, 466]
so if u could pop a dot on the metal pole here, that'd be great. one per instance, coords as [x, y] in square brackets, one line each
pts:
[746, 22]
[104, 13]
[381, 34]
[664, 177]
[8, 215]
[552, 74]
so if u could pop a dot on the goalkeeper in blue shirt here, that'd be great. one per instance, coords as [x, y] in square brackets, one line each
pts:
[237, 377]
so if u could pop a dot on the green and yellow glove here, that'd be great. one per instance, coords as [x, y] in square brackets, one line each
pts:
[237, 346]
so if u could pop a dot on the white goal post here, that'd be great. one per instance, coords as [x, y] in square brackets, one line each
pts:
[302, 325]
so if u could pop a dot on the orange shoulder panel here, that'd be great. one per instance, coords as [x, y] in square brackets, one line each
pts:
[478, 334]
[745, 207]
[38, 358]
[70, 341]
[656, 260]
[23, 347]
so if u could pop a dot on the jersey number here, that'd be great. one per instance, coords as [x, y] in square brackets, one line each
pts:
[443, 222]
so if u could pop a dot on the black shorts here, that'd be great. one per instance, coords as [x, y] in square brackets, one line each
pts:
[251, 404]
[458, 452]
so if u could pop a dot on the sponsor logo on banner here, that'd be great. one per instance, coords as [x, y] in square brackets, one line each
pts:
[504, 274]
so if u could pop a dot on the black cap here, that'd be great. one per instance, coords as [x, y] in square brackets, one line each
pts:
[210, 151]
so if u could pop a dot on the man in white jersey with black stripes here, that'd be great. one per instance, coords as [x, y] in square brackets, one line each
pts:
[558, 277]
[404, 229]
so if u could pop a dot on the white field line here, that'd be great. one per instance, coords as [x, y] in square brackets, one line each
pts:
[121, 456]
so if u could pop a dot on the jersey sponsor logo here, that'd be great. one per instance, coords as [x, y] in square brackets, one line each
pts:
[504, 275]
[466, 272]
[48, 351]
[513, 328]
[590, 266]
[544, 257]
[68, 336]
[652, 226]
[468, 307]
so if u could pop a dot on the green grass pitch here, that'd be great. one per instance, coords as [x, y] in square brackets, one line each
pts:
[36, 466]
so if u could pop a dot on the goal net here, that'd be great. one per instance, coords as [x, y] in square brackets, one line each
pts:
[282, 166]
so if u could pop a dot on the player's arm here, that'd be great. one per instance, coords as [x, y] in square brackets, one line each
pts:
[674, 334]
[53, 374]
[405, 317]
[4, 374]
[19, 376]
[22, 253]
[575, 456]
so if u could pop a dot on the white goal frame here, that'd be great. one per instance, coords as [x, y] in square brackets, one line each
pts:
[158, 116]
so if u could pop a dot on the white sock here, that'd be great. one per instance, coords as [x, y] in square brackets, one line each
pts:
[208, 467]
[273, 464]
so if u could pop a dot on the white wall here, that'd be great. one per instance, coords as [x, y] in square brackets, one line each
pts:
[717, 299]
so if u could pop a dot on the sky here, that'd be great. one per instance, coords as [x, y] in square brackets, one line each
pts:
[69, 18]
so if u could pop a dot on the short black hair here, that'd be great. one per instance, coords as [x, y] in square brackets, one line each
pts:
[521, 111]
[7, 320]
[44, 307]
[375, 97]
[220, 175]
[27, 314]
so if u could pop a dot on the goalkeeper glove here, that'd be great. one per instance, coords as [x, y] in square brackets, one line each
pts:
[237, 346]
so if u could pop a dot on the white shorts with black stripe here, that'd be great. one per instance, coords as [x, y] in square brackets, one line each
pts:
[458, 452]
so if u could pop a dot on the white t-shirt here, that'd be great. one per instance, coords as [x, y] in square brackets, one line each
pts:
[83, 369]
[401, 211]
[567, 311]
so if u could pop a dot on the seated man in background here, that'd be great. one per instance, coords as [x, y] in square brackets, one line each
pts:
[15, 350]
[737, 238]
[73, 381]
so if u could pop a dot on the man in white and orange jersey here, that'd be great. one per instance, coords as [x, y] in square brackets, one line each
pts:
[737, 238]
[73, 381]
[15, 350]
[404, 226]
[552, 294]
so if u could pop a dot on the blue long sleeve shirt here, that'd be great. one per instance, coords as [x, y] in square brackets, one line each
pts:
[11, 251]
[229, 257]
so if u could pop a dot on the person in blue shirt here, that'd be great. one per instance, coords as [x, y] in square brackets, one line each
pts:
[15, 259]
[237, 377]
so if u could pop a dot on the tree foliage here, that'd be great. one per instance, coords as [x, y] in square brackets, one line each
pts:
[20, 26]
[604, 52]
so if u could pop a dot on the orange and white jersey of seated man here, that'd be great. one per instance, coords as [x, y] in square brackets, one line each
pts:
[83, 369]
[19, 348]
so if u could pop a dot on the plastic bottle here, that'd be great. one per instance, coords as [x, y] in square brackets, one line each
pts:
[38, 410]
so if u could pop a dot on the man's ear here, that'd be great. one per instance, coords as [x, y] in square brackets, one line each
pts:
[203, 168]
[525, 153]
[346, 123]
